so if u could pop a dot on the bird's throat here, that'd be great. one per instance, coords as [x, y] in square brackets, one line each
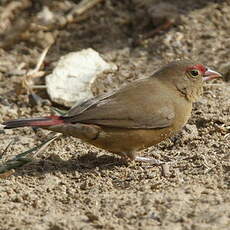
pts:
[191, 94]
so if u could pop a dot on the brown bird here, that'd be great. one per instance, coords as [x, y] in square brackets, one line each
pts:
[136, 116]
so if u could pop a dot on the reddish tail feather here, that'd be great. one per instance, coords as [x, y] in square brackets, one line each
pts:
[40, 121]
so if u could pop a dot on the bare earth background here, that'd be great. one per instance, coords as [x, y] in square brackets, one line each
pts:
[75, 186]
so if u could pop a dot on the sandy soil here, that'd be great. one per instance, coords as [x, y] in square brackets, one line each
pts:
[75, 186]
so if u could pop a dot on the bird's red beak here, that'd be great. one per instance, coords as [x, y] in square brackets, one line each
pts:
[211, 74]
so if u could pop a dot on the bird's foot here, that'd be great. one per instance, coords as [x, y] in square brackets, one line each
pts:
[149, 160]
[154, 162]
[165, 166]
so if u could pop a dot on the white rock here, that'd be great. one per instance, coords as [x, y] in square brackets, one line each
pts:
[71, 80]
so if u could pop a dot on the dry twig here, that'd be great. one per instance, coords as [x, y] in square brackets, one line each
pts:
[80, 9]
[27, 81]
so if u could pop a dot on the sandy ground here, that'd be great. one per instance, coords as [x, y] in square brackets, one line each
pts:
[75, 186]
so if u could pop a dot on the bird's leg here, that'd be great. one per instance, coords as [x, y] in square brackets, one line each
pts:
[149, 160]
[133, 156]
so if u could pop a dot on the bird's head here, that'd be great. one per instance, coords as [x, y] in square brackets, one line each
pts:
[187, 77]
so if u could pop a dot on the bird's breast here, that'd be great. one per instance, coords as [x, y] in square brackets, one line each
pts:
[183, 109]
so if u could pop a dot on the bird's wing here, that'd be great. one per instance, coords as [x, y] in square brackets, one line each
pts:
[142, 104]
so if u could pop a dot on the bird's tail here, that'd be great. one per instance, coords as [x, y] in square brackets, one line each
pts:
[34, 122]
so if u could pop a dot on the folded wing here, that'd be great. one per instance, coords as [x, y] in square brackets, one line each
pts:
[143, 104]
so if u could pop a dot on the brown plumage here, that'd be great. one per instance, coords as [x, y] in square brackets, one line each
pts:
[135, 117]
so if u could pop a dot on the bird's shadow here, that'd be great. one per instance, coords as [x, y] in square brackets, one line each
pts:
[83, 164]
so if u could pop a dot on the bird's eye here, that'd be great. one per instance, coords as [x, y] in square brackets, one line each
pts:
[194, 72]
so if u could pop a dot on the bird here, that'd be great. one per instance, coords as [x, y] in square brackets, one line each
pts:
[136, 116]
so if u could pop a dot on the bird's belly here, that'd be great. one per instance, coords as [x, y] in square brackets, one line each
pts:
[130, 140]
